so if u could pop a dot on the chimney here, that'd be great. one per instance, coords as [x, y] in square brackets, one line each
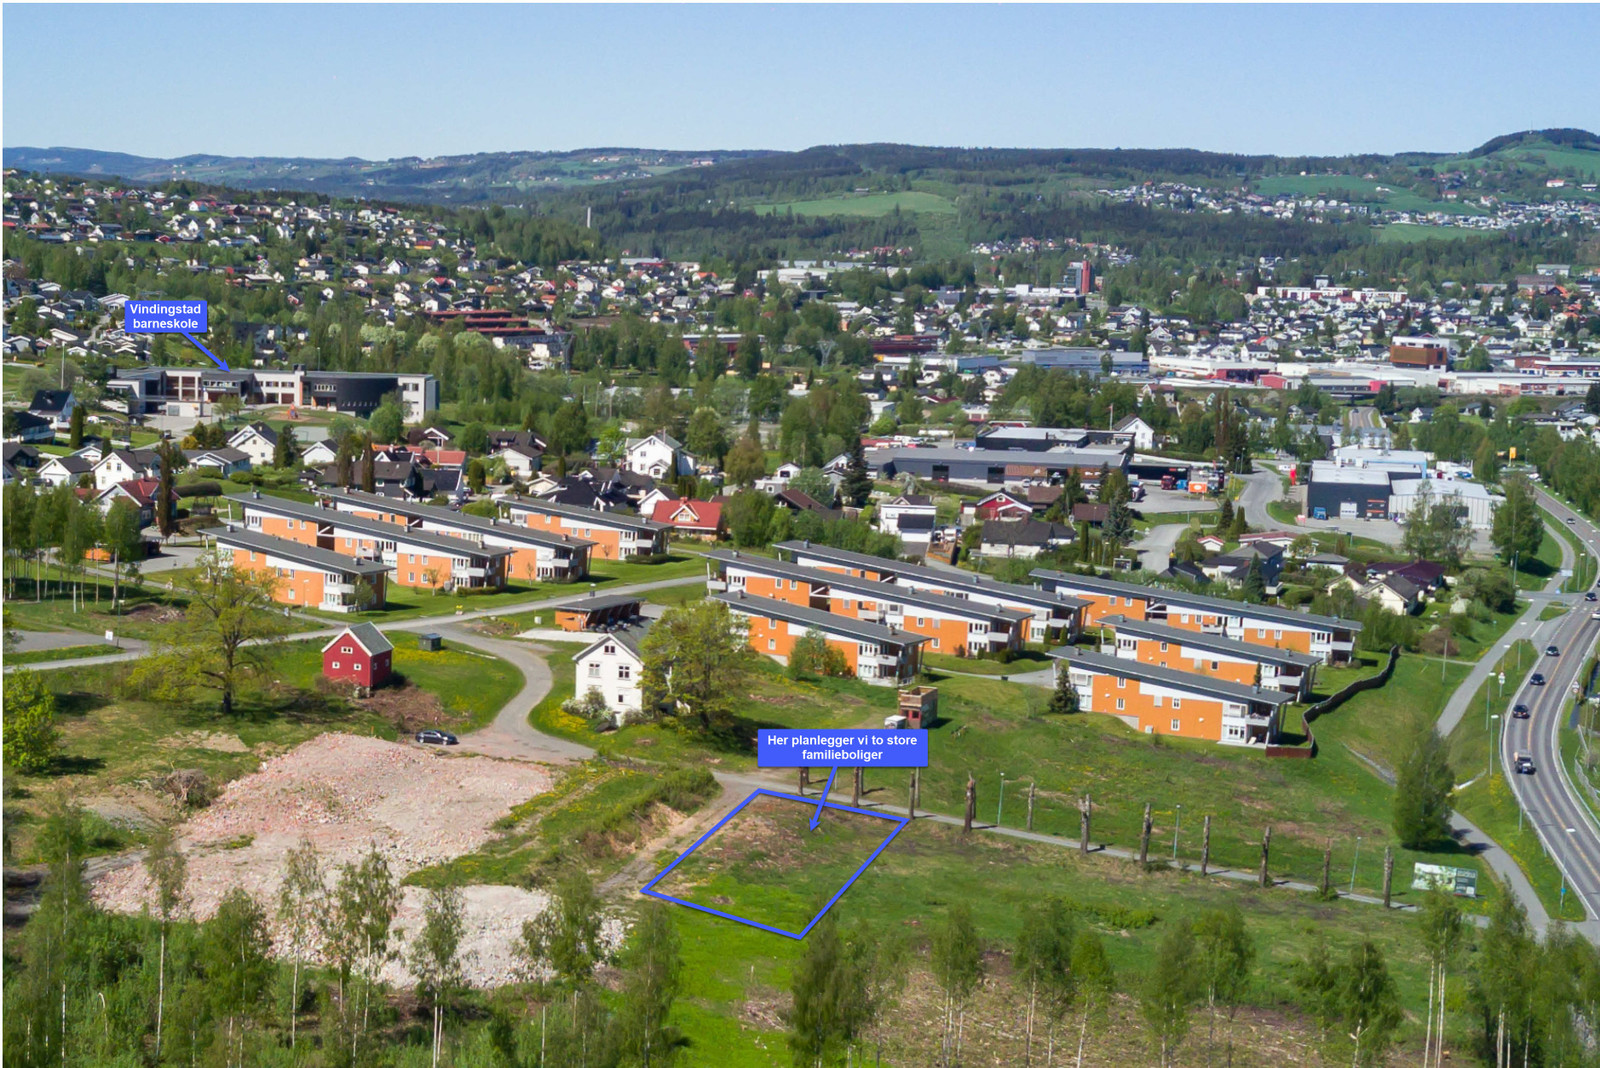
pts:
[256, 494]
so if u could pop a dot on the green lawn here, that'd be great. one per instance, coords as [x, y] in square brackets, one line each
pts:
[1536, 573]
[1027, 660]
[144, 610]
[1553, 610]
[1584, 566]
[868, 204]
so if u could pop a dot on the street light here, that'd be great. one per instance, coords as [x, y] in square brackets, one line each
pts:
[1177, 824]
[1353, 860]
[1000, 811]
[1492, 720]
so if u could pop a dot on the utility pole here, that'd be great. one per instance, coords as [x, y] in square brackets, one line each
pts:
[1177, 825]
[1144, 837]
[1266, 852]
[1083, 825]
[1356, 857]
[1205, 849]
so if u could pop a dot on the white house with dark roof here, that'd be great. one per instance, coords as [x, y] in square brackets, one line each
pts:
[613, 665]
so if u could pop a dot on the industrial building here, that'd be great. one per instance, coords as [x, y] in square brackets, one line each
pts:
[989, 467]
[1335, 492]
[1471, 497]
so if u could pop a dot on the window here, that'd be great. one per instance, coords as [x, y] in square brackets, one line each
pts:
[594, 670]
[1216, 665]
[1177, 702]
[1121, 704]
[794, 584]
[772, 644]
[336, 665]
[610, 650]
[1183, 617]
[1278, 634]
[1176, 726]
[922, 621]
[1163, 647]
[936, 643]
[1261, 632]
[624, 671]
[1122, 684]
[346, 649]
[1158, 700]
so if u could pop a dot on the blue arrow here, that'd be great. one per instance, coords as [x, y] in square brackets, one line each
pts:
[203, 349]
[818, 814]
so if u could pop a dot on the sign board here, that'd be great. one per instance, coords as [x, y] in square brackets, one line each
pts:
[1462, 882]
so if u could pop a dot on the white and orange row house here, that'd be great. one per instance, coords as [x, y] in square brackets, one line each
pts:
[952, 625]
[304, 575]
[1051, 615]
[536, 556]
[418, 558]
[1161, 700]
[877, 654]
[1327, 638]
[1212, 654]
[615, 536]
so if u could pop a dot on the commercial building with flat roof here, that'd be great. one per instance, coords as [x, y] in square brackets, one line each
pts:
[989, 466]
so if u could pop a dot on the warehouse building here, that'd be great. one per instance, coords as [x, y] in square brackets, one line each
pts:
[1471, 497]
[1335, 492]
[989, 466]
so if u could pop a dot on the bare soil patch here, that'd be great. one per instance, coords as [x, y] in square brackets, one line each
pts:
[346, 794]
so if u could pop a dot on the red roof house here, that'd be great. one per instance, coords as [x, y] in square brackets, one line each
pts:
[700, 519]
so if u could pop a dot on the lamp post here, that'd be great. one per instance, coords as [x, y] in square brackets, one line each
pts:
[1177, 825]
[1353, 861]
[1492, 720]
[1000, 811]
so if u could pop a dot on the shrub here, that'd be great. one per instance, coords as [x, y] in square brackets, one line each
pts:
[590, 706]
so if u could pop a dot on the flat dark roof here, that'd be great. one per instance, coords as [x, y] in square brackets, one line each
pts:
[823, 621]
[1219, 605]
[1183, 680]
[882, 591]
[1214, 642]
[376, 528]
[325, 559]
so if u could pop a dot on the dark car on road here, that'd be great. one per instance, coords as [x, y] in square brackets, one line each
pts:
[1523, 763]
[433, 737]
[1520, 711]
[1591, 596]
[1551, 650]
[1536, 679]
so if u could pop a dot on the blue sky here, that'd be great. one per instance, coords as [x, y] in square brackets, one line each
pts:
[382, 81]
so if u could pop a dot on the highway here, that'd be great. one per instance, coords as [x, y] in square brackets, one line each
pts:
[1548, 797]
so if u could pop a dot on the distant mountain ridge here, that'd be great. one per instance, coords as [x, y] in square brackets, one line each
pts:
[1566, 136]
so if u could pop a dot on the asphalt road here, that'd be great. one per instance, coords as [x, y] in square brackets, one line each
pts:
[1548, 797]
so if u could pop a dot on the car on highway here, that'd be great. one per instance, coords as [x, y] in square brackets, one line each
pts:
[1520, 711]
[1523, 763]
[1536, 679]
[1594, 615]
[435, 737]
[1551, 650]
[1591, 596]
[1571, 520]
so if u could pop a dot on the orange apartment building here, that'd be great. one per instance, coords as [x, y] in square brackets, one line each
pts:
[418, 559]
[952, 625]
[307, 576]
[615, 537]
[1211, 654]
[1328, 639]
[536, 556]
[1158, 700]
[880, 655]
[1053, 615]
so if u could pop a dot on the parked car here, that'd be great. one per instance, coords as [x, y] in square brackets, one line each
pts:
[1520, 711]
[433, 737]
[1523, 763]
[1536, 679]
[1551, 650]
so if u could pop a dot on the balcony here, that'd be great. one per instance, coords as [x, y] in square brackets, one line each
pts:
[890, 660]
[472, 572]
[338, 587]
[716, 585]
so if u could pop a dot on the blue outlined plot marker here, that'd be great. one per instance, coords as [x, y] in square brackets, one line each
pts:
[898, 824]
[205, 350]
[823, 800]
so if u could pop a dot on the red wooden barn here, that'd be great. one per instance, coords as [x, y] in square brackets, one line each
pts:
[360, 654]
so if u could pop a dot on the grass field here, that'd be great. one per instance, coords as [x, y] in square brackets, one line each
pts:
[867, 204]
[1407, 233]
[144, 607]
[731, 970]
[71, 652]
[1359, 191]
